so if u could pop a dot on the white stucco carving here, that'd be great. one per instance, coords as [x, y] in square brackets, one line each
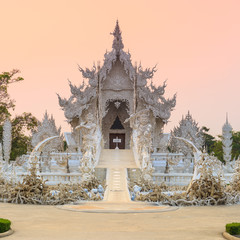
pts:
[227, 141]
[117, 79]
[7, 140]
[47, 128]
[142, 141]
[1, 157]
[117, 103]
[163, 142]
[89, 146]
[188, 129]
[33, 161]
[71, 143]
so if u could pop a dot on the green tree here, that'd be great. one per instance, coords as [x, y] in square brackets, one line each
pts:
[6, 103]
[21, 141]
[209, 140]
[218, 150]
[212, 145]
[235, 145]
[22, 124]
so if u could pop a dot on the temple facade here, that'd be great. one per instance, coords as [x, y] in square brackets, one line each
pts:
[115, 95]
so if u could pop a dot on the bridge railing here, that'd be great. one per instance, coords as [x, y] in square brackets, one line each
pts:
[170, 179]
[55, 178]
[181, 179]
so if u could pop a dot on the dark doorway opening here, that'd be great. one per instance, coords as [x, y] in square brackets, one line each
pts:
[117, 124]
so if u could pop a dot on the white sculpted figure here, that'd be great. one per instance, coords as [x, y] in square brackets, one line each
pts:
[89, 147]
[140, 123]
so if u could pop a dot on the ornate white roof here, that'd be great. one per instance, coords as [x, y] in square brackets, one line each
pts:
[151, 95]
[47, 128]
[188, 129]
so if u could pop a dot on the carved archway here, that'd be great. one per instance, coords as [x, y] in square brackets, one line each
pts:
[117, 102]
[116, 108]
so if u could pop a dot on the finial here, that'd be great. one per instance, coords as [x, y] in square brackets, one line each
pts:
[46, 114]
[227, 118]
[117, 41]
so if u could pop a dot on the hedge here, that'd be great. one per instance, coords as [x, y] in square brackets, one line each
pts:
[233, 228]
[5, 225]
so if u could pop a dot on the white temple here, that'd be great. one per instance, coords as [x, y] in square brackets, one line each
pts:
[113, 93]
[117, 107]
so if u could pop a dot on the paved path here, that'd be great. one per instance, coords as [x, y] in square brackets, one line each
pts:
[48, 222]
[116, 198]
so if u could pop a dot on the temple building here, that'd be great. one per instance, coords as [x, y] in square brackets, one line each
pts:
[116, 93]
[117, 116]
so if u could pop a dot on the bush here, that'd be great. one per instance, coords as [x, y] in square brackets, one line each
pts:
[5, 225]
[233, 228]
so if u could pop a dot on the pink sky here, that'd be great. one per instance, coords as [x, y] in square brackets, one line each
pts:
[196, 45]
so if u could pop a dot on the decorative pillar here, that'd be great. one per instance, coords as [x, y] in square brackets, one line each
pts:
[227, 141]
[7, 140]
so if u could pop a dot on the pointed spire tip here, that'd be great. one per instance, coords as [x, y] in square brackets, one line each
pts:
[117, 41]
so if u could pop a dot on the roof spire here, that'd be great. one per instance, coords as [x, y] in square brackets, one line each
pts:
[227, 118]
[117, 41]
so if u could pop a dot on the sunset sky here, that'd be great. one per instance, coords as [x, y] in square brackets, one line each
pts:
[195, 44]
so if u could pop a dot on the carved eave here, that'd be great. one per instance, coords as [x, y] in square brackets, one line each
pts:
[144, 75]
[91, 75]
[62, 101]
[154, 100]
[79, 101]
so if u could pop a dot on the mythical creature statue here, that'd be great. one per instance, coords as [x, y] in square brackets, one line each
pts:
[141, 125]
[88, 129]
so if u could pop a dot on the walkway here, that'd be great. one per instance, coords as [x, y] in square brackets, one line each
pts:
[117, 198]
[50, 223]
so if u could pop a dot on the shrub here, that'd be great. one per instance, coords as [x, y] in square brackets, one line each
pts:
[4, 225]
[233, 228]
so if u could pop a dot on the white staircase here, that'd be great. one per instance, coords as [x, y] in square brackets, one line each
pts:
[117, 161]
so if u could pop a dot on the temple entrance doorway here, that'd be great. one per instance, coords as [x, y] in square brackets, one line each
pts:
[117, 140]
[116, 132]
